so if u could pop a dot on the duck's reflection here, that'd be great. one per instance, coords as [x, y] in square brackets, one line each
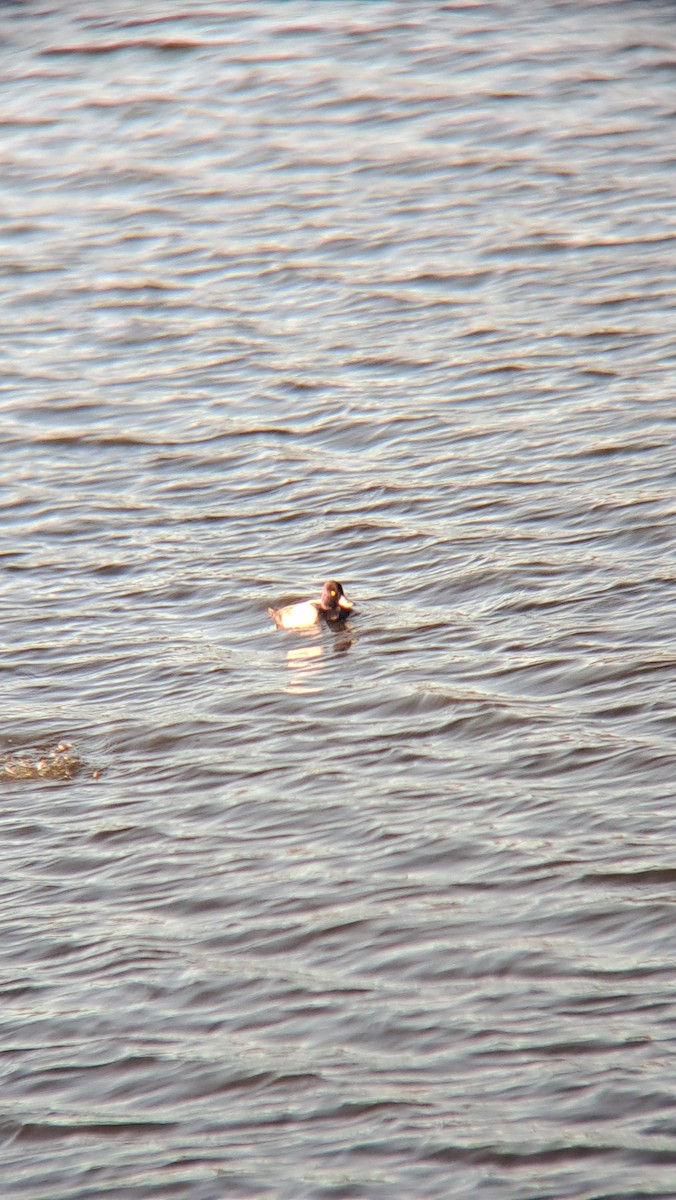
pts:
[343, 641]
[305, 661]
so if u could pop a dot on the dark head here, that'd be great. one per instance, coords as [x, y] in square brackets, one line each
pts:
[334, 605]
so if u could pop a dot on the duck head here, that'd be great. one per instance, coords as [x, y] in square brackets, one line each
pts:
[334, 604]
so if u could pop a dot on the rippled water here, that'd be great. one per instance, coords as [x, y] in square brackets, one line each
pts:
[384, 292]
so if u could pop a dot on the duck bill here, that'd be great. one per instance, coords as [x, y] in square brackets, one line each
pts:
[344, 603]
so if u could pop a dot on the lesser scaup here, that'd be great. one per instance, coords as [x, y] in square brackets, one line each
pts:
[333, 606]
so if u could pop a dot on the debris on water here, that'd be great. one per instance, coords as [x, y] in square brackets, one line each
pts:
[58, 762]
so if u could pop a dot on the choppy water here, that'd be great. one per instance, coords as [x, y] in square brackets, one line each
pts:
[382, 291]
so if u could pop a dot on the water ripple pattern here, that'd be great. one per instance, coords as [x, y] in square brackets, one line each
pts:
[385, 293]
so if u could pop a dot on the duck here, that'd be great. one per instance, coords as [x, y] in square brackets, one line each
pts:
[333, 606]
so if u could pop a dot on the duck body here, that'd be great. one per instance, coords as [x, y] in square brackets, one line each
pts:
[333, 606]
[296, 616]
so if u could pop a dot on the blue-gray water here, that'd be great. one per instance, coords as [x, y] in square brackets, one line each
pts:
[380, 291]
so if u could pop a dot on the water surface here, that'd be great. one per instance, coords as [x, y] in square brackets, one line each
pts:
[382, 292]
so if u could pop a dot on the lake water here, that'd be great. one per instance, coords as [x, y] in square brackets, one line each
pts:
[383, 292]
